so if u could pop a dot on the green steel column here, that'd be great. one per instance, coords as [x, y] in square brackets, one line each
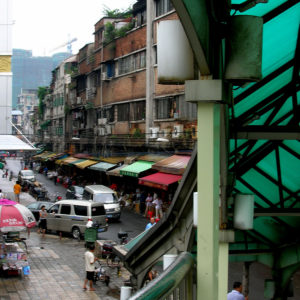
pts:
[208, 201]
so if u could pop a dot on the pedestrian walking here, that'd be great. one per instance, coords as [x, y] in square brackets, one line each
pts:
[236, 293]
[55, 174]
[17, 191]
[1, 194]
[148, 204]
[89, 267]
[43, 221]
[158, 207]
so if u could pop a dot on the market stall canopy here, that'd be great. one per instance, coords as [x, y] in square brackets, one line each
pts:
[153, 157]
[10, 142]
[113, 160]
[58, 156]
[67, 160]
[159, 180]
[73, 163]
[174, 164]
[82, 155]
[61, 160]
[102, 167]
[116, 171]
[86, 163]
[136, 168]
[48, 156]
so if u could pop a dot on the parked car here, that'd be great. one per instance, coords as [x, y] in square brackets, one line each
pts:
[26, 175]
[74, 192]
[72, 216]
[35, 208]
[105, 195]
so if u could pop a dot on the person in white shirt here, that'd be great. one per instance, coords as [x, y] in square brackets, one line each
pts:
[236, 293]
[158, 207]
[89, 267]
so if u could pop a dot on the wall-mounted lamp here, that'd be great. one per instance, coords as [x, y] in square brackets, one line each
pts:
[243, 211]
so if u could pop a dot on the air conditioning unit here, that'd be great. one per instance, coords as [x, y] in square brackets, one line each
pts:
[154, 132]
[177, 131]
[101, 131]
[94, 90]
[167, 132]
[79, 100]
[102, 121]
[105, 77]
[108, 129]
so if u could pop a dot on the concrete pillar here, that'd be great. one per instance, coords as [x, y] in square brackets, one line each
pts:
[149, 68]
[208, 200]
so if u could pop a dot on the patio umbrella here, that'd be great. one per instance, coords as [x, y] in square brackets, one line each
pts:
[15, 216]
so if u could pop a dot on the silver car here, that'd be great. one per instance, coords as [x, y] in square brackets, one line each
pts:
[72, 216]
[26, 175]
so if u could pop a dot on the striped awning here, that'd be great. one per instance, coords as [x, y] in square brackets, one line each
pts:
[102, 167]
[174, 164]
[136, 168]
[85, 164]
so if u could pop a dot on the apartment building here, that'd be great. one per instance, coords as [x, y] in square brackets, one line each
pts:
[114, 102]
[27, 100]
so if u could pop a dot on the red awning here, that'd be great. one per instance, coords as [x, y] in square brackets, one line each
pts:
[159, 180]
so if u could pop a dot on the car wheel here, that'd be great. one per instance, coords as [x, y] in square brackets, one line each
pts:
[76, 233]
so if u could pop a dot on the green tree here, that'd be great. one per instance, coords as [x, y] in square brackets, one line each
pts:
[117, 13]
[42, 92]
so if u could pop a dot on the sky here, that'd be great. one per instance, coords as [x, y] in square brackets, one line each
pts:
[42, 25]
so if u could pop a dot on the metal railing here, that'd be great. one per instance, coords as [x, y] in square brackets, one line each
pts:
[175, 283]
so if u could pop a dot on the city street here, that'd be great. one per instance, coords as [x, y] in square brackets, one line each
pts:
[57, 266]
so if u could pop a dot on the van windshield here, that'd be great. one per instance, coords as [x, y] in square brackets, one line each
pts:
[105, 198]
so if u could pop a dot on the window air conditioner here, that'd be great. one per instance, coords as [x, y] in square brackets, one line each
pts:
[108, 129]
[79, 100]
[101, 131]
[177, 131]
[167, 132]
[154, 132]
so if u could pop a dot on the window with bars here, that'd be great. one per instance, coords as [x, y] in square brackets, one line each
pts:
[123, 112]
[132, 62]
[167, 108]
[138, 111]
[163, 6]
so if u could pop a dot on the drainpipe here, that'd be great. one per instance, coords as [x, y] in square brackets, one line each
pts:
[149, 69]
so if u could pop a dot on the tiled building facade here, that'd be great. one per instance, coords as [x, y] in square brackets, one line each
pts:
[112, 101]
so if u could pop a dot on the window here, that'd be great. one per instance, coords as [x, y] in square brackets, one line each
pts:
[54, 209]
[141, 18]
[65, 209]
[98, 211]
[138, 111]
[123, 112]
[132, 62]
[163, 6]
[80, 210]
[33, 205]
[167, 108]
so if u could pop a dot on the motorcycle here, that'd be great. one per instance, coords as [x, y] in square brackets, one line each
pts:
[101, 274]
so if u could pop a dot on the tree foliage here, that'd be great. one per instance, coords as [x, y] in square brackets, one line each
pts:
[117, 13]
[42, 92]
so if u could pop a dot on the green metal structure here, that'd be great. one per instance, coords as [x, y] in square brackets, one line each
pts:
[257, 153]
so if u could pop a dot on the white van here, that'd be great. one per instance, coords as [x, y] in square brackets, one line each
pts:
[73, 215]
[105, 195]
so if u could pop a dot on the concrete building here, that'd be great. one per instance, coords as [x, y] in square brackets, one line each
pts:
[113, 101]
[27, 100]
[5, 65]
[31, 72]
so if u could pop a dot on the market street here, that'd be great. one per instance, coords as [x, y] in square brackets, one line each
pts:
[57, 266]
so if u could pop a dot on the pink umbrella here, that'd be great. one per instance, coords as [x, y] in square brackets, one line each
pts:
[15, 216]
